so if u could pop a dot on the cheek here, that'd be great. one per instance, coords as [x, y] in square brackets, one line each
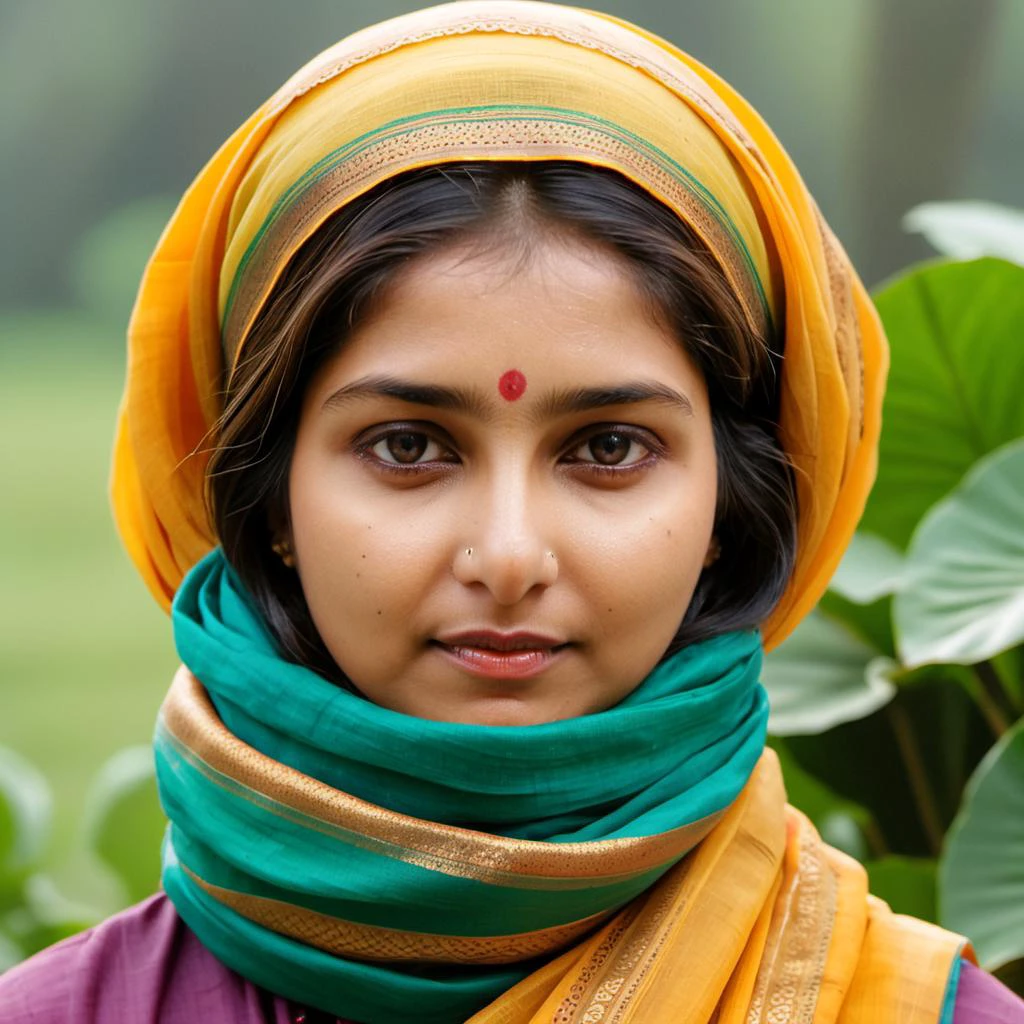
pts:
[650, 565]
[361, 571]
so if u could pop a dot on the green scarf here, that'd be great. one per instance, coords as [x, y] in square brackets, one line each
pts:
[390, 868]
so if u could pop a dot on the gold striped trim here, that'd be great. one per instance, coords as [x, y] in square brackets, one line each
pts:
[640, 963]
[190, 719]
[447, 136]
[373, 942]
[590, 30]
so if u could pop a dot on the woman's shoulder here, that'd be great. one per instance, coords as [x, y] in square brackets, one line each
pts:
[981, 999]
[142, 964]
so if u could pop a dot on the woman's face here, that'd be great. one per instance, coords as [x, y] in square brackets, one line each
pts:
[503, 489]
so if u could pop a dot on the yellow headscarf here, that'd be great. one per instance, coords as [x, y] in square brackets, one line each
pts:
[501, 80]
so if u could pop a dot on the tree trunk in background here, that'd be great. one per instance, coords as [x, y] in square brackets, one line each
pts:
[925, 78]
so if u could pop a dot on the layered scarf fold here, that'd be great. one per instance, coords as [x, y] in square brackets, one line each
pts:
[637, 865]
[293, 852]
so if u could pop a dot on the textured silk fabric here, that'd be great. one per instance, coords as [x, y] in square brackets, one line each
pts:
[535, 81]
[142, 966]
[293, 852]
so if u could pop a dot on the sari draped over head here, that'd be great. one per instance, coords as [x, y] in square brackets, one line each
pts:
[640, 864]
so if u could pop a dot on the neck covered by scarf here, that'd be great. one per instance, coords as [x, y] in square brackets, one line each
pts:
[293, 852]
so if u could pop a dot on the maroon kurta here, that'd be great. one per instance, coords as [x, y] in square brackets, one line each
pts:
[144, 966]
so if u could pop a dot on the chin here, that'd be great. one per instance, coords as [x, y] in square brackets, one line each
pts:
[500, 712]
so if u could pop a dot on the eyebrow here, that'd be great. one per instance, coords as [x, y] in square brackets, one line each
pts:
[472, 402]
[434, 395]
[630, 393]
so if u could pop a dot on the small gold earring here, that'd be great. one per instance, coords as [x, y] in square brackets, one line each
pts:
[283, 550]
[714, 553]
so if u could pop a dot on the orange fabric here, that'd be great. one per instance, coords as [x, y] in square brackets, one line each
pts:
[761, 923]
[835, 356]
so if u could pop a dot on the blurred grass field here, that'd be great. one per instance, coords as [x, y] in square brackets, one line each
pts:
[85, 654]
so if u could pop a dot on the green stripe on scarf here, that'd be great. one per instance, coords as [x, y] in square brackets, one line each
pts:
[677, 750]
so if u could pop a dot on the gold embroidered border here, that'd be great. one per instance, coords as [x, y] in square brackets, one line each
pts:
[625, 976]
[373, 942]
[587, 29]
[618, 982]
[191, 721]
[493, 134]
[793, 964]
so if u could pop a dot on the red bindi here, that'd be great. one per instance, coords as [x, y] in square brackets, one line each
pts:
[511, 385]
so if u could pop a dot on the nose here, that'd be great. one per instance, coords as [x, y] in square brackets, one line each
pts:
[508, 551]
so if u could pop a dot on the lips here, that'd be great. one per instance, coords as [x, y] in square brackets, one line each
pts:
[493, 655]
[492, 640]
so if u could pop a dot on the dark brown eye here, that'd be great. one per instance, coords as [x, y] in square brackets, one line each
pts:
[610, 449]
[407, 446]
[616, 449]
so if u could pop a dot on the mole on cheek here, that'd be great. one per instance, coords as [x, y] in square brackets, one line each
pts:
[511, 385]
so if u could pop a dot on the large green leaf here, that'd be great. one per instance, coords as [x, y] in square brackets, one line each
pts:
[25, 810]
[969, 229]
[124, 822]
[962, 600]
[871, 622]
[823, 675]
[870, 569]
[954, 388]
[935, 724]
[981, 872]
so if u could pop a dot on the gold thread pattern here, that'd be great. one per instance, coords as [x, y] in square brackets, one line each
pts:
[190, 720]
[793, 964]
[552, 22]
[372, 942]
[618, 982]
[448, 136]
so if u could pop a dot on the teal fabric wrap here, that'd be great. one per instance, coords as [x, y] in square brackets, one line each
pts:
[676, 750]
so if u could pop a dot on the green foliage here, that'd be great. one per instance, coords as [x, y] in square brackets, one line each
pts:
[32, 913]
[124, 822]
[954, 386]
[903, 694]
[982, 871]
[962, 599]
[124, 827]
[823, 675]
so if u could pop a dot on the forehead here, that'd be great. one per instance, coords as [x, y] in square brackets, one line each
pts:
[566, 312]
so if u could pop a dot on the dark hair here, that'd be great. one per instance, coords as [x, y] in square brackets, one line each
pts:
[335, 278]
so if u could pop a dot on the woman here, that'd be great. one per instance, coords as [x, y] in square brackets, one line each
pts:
[488, 390]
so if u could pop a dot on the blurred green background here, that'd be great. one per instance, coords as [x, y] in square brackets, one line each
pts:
[107, 110]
